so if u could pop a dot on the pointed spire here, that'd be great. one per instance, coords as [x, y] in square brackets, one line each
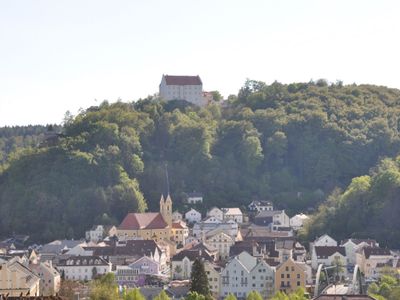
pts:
[166, 188]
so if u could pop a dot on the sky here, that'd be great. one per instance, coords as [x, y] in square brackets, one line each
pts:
[67, 55]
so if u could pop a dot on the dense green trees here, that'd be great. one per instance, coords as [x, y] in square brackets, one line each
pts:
[368, 207]
[386, 288]
[292, 144]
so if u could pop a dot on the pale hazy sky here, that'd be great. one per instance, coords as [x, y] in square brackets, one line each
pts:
[59, 55]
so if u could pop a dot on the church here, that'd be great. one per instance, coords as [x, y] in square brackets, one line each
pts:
[148, 226]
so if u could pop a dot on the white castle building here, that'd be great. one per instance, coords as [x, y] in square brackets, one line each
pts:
[189, 88]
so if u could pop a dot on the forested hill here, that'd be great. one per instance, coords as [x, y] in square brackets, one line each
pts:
[292, 144]
[15, 138]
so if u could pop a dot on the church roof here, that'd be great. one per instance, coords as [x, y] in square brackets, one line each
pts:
[136, 221]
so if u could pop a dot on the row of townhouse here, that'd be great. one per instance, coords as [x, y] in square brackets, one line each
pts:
[242, 273]
[224, 214]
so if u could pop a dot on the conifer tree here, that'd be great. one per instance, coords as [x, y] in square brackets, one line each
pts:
[199, 280]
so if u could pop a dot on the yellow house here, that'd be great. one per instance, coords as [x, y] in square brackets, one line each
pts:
[213, 272]
[156, 226]
[289, 276]
[179, 232]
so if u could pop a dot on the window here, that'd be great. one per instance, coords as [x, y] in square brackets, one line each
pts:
[298, 283]
[287, 269]
[282, 275]
[298, 276]
[287, 275]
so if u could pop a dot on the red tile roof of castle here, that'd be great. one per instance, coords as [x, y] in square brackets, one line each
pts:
[136, 221]
[182, 80]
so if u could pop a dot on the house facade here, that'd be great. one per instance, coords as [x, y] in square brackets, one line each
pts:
[213, 272]
[245, 273]
[189, 88]
[328, 255]
[352, 245]
[99, 232]
[50, 278]
[222, 242]
[290, 276]
[233, 213]
[370, 260]
[193, 216]
[180, 232]
[83, 267]
[194, 198]
[15, 279]
[216, 213]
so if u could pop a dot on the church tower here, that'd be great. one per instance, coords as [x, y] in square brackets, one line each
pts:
[166, 202]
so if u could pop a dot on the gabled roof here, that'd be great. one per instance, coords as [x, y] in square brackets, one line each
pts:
[136, 221]
[368, 251]
[83, 261]
[232, 211]
[182, 80]
[326, 251]
[131, 248]
[370, 242]
[268, 213]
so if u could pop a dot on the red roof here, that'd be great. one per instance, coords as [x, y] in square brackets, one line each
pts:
[182, 80]
[136, 221]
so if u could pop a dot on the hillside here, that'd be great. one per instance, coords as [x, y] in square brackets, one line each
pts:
[292, 144]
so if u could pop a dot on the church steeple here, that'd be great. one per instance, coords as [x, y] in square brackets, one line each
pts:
[166, 201]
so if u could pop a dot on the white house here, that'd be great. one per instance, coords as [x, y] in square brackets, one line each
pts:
[233, 213]
[83, 267]
[194, 198]
[189, 88]
[328, 255]
[193, 216]
[297, 221]
[352, 245]
[245, 273]
[99, 232]
[215, 212]
[260, 206]
[222, 242]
